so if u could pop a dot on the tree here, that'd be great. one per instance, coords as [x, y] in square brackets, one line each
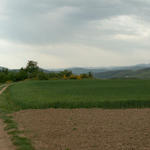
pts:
[21, 75]
[3, 77]
[42, 76]
[65, 74]
[32, 69]
[90, 75]
[4, 70]
[84, 76]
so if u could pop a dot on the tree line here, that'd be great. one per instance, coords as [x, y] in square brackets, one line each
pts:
[32, 71]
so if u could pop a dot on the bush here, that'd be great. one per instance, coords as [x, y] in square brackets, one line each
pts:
[42, 76]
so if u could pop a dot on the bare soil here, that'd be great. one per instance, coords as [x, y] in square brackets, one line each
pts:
[86, 129]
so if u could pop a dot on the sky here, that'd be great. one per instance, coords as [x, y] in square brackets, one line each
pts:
[74, 33]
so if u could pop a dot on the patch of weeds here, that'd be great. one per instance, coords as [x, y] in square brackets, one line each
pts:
[74, 129]
[15, 132]
[22, 143]
[10, 124]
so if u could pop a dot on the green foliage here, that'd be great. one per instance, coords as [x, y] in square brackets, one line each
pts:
[53, 75]
[85, 76]
[22, 142]
[42, 76]
[21, 75]
[90, 75]
[1, 86]
[80, 94]
[3, 78]
[32, 71]
[65, 73]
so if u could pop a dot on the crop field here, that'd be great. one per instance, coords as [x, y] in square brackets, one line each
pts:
[80, 94]
[80, 128]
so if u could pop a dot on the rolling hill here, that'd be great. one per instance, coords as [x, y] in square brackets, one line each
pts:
[140, 74]
[95, 70]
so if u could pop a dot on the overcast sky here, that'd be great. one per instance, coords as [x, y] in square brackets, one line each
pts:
[74, 33]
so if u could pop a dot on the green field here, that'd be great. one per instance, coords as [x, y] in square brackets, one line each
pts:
[79, 94]
[1, 86]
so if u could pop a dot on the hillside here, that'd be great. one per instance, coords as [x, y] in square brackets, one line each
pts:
[141, 74]
[95, 70]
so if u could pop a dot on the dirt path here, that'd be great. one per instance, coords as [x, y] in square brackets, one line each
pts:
[5, 142]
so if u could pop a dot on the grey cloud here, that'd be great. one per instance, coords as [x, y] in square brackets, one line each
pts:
[59, 21]
[66, 33]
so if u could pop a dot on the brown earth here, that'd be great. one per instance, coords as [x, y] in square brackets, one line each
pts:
[86, 129]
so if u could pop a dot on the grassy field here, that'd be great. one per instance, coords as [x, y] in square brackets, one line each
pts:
[1, 86]
[79, 94]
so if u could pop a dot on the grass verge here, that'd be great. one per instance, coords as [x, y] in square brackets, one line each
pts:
[17, 137]
[2, 86]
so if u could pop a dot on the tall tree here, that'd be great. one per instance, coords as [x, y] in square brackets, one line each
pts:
[32, 69]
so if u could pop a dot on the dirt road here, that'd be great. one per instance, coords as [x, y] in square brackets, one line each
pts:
[5, 142]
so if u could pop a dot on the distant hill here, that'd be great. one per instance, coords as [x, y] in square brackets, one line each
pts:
[80, 70]
[140, 73]
[86, 70]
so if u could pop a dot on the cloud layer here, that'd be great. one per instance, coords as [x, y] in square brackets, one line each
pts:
[66, 33]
